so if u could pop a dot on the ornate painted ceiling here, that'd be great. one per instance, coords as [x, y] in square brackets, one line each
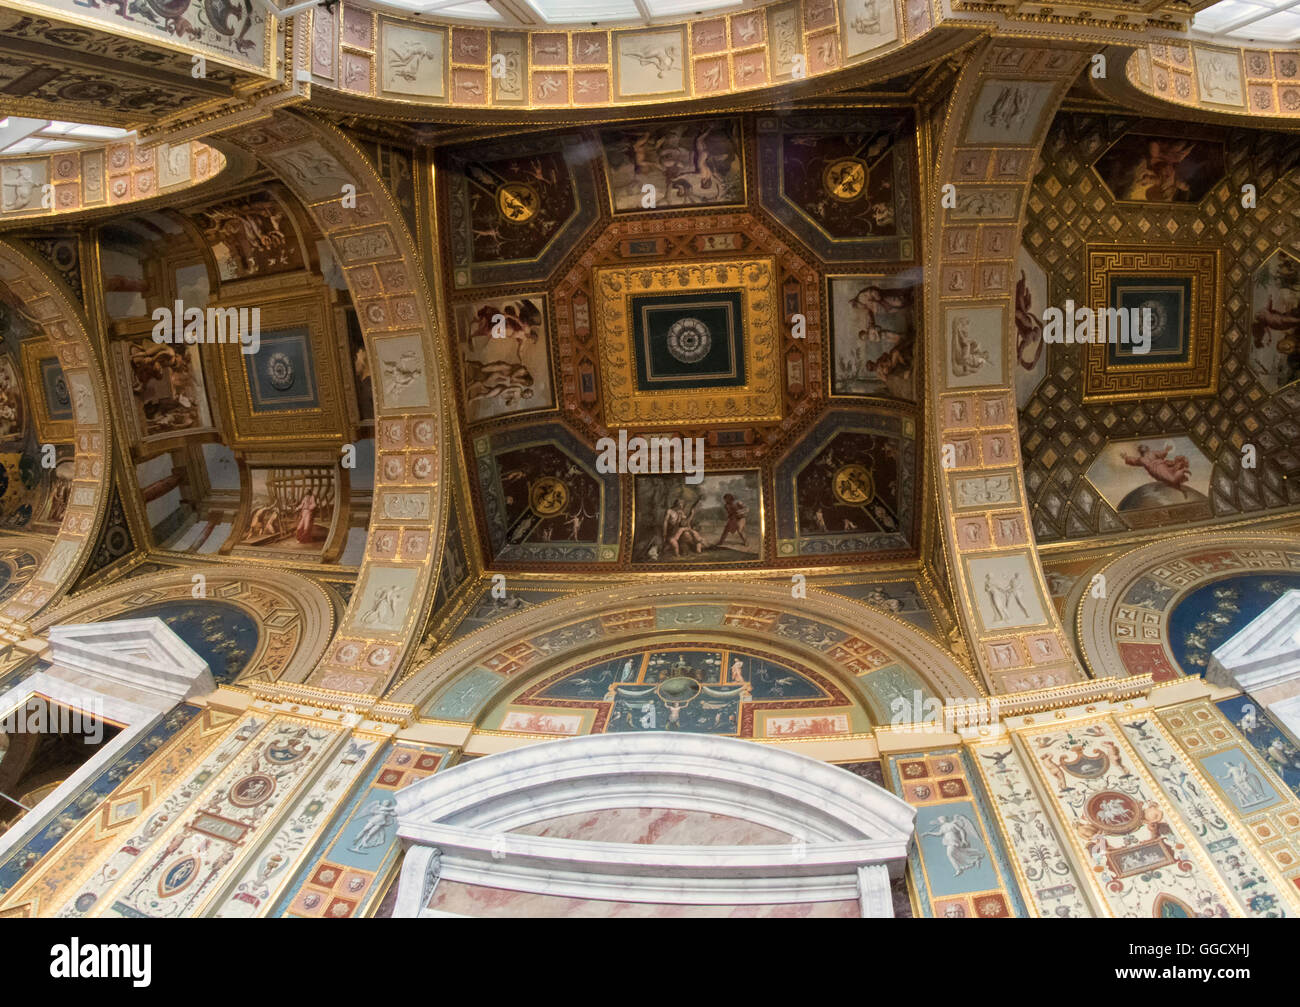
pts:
[750, 282]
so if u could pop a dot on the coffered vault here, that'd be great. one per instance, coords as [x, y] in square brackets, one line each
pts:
[474, 247]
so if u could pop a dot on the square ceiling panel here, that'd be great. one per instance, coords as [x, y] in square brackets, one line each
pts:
[690, 342]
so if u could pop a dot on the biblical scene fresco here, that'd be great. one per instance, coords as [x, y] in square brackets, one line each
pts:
[167, 387]
[290, 509]
[874, 336]
[1275, 323]
[719, 520]
[505, 353]
[1150, 482]
[251, 236]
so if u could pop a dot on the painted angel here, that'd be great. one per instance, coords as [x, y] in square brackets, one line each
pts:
[960, 840]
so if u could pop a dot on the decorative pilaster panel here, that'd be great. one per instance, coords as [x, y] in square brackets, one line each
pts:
[203, 848]
[994, 127]
[268, 872]
[1042, 865]
[1243, 778]
[42, 871]
[1144, 862]
[957, 863]
[141, 842]
[1258, 892]
[362, 849]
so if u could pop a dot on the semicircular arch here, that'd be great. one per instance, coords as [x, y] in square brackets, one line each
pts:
[45, 301]
[872, 658]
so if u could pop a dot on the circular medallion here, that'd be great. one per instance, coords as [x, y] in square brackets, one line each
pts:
[1114, 812]
[853, 484]
[678, 689]
[845, 179]
[61, 395]
[279, 371]
[689, 340]
[517, 202]
[548, 496]
[251, 790]
[89, 91]
[176, 878]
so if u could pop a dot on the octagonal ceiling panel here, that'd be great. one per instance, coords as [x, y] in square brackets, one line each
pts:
[845, 184]
[631, 281]
[515, 208]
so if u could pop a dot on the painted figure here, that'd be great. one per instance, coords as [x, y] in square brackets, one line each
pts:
[1002, 594]
[967, 354]
[379, 816]
[305, 530]
[677, 530]
[736, 513]
[1172, 472]
[960, 838]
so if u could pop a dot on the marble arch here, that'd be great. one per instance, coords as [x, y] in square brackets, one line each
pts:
[44, 299]
[853, 834]
[839, 636]
[395, 307]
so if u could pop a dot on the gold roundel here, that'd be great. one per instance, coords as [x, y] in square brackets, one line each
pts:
[517, 202]
[853, 484]
[548, 496]
[846, 179]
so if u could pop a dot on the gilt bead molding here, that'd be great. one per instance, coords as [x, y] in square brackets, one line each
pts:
[995, 123]
[940, 672]
[381, 265]
[45, 301]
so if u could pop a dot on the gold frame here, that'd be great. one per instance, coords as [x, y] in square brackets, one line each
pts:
[1104, 382]
[48, 431]
[302, 305]
[742, 151]
[760, 399]
[686, 566]
[339, 525]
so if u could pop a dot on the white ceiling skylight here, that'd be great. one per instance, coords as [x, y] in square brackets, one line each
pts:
[1242, 20]
[562, 12]
[44, 136]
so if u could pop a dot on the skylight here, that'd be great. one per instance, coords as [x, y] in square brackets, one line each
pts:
[1244, 20]
[45, 136]
[563, 12]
